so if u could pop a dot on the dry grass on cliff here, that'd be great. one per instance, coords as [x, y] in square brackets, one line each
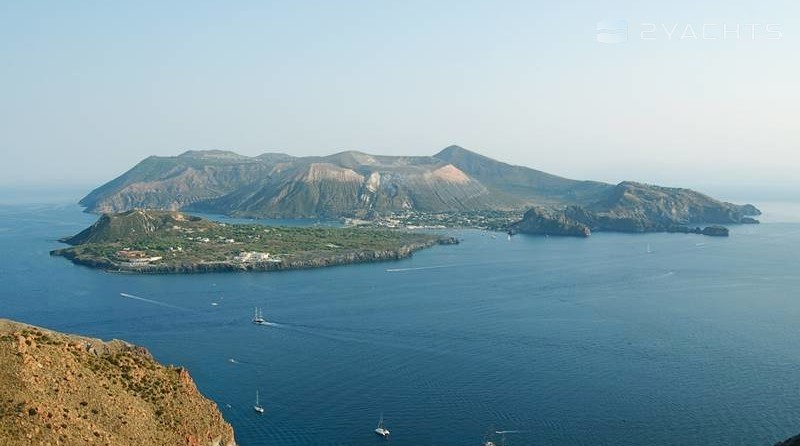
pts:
[58, 389]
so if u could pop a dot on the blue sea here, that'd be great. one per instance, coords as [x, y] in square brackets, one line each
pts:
[567, 341]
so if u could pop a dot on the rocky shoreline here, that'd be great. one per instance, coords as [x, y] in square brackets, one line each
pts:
[348, 258]
[575, 221]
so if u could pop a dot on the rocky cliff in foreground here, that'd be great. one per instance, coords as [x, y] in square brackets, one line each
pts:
[58, 389]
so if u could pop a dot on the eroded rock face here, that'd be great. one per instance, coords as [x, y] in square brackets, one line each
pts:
[70, 390]
[546, 221]
[636, 207]
[716, 231]
[283, 186]
[353, 183]
[579, 222]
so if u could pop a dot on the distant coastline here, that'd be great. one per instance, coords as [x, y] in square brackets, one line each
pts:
[162, 242]
[106, 264]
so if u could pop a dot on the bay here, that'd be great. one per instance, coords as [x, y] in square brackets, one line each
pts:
[570, 341]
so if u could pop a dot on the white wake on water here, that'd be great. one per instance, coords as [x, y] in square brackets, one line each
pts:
[150, 301]
[419, 268]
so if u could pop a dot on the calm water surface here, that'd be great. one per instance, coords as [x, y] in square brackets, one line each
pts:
[574, 342]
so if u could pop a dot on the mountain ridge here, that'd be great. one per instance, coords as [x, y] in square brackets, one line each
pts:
[356, 184]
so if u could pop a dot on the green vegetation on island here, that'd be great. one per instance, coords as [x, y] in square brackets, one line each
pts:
[172, 242]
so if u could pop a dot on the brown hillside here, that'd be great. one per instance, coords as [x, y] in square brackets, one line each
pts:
[58, 389]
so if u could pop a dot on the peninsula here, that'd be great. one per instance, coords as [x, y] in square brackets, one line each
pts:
[146, 241]
[64, 389]
[635, 207]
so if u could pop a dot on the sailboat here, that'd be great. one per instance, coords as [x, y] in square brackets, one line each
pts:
[258, 318]
[258, 407]
[380, 430]
[649, 251]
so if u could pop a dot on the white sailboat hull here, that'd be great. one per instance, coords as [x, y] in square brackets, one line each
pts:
[258, 318]
[258, 407]
[382, 432]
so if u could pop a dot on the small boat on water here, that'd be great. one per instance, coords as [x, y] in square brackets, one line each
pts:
[381, 430]
[258, 318]
[492, 442]
[258, 407]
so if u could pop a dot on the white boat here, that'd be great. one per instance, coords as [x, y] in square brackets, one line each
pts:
[649, 251]
[258, 318]
[258, 407]
[381, 430]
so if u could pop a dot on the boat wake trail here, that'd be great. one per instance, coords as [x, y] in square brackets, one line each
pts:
[270, 324]
[310, 330]
[150, 301]
[420, 268]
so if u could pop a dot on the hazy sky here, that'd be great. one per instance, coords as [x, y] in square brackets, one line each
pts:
[87, 89]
